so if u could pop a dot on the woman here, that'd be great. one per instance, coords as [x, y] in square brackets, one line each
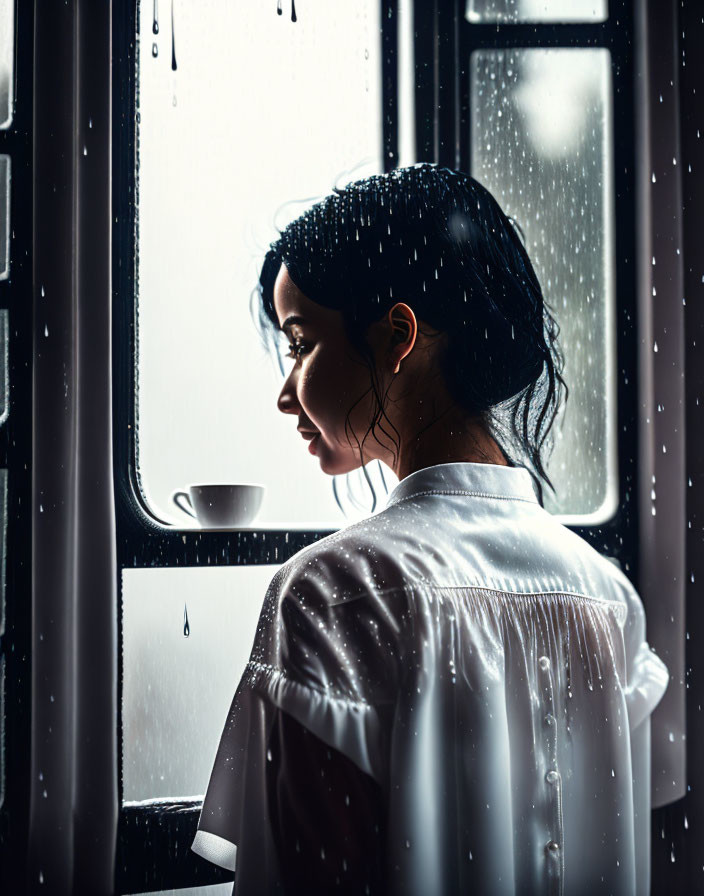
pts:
[452, 695]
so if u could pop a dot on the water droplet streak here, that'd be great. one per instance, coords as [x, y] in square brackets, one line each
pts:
[173, 40]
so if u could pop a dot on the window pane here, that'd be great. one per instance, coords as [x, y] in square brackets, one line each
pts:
[536, 10]
[541, 136]
[187, 636]
[260, 111]
[7, 60]
[4, 217]
[213, 890]
[4, 373]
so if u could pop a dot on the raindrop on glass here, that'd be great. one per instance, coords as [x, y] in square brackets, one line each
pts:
[173, 40]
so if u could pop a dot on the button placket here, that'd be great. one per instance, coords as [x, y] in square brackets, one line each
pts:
[553, 779]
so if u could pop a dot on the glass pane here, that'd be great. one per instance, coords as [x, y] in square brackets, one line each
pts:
[541, 137]
[4, 217]
[7, 60]
[536, 10]
[4, 373]
[213, 890]
[260, 111]
[187, 636]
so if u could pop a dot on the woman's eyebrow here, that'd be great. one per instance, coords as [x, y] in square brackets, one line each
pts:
[292, 319]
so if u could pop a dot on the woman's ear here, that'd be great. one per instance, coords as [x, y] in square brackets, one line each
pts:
[404, 329]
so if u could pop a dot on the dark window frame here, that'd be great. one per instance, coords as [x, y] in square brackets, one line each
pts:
[153, 840]
[16, 457]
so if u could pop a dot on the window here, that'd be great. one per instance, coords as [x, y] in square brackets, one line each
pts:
[4, 217]
[541, 139]
[536, 10]
[232, 126]
[242, 119]
[186, 633]
[7, 61]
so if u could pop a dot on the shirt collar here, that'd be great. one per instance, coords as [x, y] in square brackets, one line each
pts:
[481, 480]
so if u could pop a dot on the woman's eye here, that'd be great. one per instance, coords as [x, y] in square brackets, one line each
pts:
[294, 349]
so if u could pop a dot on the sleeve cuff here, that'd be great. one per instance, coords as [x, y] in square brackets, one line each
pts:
[650, 679]
[215, 849]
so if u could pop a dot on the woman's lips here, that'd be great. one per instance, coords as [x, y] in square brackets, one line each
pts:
[309, 435]
[313, 443]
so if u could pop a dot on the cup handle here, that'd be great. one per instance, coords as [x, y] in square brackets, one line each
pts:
[187, 498]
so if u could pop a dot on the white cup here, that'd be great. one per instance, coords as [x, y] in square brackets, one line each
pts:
[220, 506]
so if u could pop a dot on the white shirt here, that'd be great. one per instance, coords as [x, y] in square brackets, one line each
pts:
[486, 666]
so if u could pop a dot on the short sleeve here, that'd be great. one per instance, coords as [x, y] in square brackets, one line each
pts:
[315, 657]
[647, 676]
[327, 658]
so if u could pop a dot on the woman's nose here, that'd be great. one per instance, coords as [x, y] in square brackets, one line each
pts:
[287, 402]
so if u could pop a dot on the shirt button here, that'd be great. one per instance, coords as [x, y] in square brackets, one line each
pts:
[551, 776]
[552, 847]
[544, 663]
[549, 719]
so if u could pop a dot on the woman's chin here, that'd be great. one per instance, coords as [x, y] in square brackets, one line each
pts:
[334, 463]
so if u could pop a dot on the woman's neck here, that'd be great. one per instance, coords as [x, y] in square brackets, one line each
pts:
[448, 440]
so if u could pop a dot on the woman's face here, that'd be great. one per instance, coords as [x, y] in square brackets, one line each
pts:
[328, 379]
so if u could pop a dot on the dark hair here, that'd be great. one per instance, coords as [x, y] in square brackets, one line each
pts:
[437, 240]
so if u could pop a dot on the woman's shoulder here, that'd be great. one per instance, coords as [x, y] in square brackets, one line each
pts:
[321, 606]
[355, 561]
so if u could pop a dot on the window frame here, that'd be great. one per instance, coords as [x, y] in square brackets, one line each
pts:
[16, 457]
